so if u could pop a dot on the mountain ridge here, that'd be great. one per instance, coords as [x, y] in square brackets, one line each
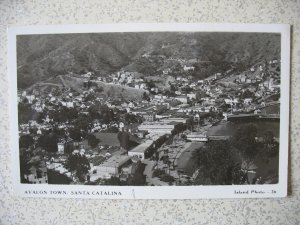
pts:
[42, 56]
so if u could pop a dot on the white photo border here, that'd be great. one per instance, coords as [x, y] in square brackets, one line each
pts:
[152, 192]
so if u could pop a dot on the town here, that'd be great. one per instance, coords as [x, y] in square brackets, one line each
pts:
[128, 128]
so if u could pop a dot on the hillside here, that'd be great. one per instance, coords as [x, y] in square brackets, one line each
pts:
[76, 83]
[42, 56]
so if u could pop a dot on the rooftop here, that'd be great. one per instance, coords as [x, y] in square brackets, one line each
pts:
[142, 147]
[115, 161]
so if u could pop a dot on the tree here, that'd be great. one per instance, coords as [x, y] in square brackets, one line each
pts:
[25, 141]
[113, 181]
[63, 114]
[190, 123]
[48, 142]
[216, 163]
[106, 114]
[123, 138]
[78, 164]
[247, 94]
[268, 137]
[75, 134]
[99, 89]
[24, 165]
[150, 84]
[245, 141]
[172, 88]
[145, 96]
[131, 118]
[138, 178]
[55, 177]
[92, 140]
[90, 97]
[40, 117]
[83, 123]
[270, 146]
[25, 113]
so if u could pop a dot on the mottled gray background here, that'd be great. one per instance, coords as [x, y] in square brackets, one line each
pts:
[15, 210]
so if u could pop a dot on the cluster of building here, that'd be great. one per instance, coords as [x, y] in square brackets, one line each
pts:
[167, 111]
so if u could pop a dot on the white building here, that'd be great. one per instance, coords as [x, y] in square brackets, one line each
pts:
[182, 99]
[197, 137]
[188, 68]
[37, 175]
[157, 127]
[191, 95]
[110, 167]
[247, 101]
[140, 150]
[175, 119]
[30, 98]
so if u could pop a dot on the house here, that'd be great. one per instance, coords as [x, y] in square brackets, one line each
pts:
[248, 101]
[242, 78]
[131, 105]
[37, 175]
[70, 104]
[154, 89]
[39, 132]
[217, 75]
[231, 101]
[191, 95]
[63, 144]
[178, 92]
[141, 134]
[149, 117]
[160, 96]
[38, 108]
[182, 98]
[30, 98]
[188, 68]
[166, 71]
[248, 81]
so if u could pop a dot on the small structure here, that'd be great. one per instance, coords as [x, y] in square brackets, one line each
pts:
[197, 137]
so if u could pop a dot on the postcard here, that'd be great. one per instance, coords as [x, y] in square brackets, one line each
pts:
[149, 111]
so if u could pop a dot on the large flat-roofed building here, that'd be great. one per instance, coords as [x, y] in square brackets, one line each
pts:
[197, 137]
[175, 119]
[157, 127]
[140, 150]
[110, 167]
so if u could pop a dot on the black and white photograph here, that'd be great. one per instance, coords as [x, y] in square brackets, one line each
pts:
[193, 108]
